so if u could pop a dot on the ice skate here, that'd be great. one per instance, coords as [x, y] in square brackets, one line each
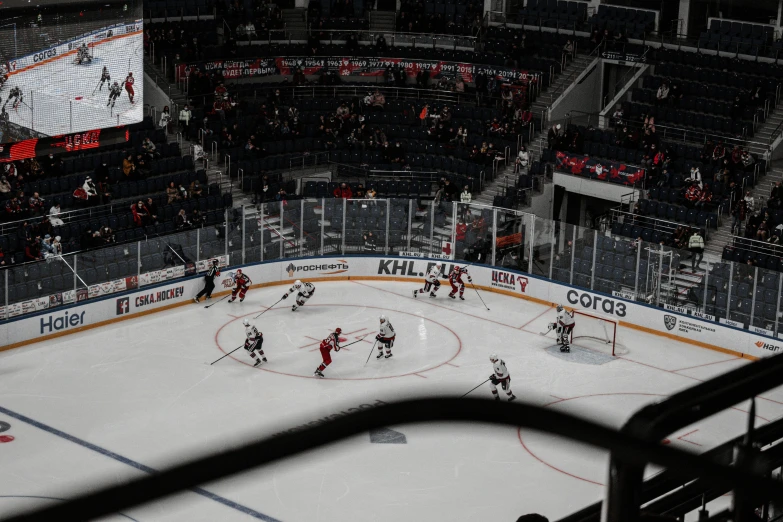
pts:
[259, 362]
[452, 296]
[195, 299]
[497, 398]
[432, 294]
[388, 355]
[241, 299]
[512, 398]
[232, 300]
[293, 308]
[318, 373]
[415, 293]
[462, 298]
[380, 354]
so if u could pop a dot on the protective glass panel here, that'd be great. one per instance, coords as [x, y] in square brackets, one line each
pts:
[765, 301]
[399, 212]
[234, 232]
[252, 231]
[310, 238]
[270, 218]
[740, 301]
[365, 226]
[473, 233]
[564, 252]
[583, 244]
[512, 245]
[332, 216]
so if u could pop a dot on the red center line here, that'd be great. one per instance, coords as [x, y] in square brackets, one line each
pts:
[673, 372]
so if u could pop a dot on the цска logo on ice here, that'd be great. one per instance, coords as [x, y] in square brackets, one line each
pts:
[324, 269]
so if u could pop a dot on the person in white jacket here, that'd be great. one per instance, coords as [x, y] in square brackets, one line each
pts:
[184, 119]
[465, 197]
[54, 212]
[522, 161]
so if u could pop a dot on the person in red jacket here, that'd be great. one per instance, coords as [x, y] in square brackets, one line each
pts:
[343, 191]
[141, 215]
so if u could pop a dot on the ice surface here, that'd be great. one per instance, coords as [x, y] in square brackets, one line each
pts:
[144, 390]
[61, 97]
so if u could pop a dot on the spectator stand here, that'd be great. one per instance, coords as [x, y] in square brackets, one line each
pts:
[159, 11]
[393, 39]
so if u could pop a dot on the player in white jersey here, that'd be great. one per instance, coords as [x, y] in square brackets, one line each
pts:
[564, 326]
[431, 281]
[385, 337]
[304, 292]
[254, 343]
[105, 77]
[114, 93]
[500, 376]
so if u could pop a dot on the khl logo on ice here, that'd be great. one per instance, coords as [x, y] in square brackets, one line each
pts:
[670, 321]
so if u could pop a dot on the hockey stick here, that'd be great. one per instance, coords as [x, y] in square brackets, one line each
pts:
[360, 340]
[216, 302]
[479, 296]
[96, 87]
[269, 308]
[549, 329]
[229, 353]
[371, 350]
[482, 384]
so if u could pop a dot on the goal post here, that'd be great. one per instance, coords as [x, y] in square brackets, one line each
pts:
[596, 331]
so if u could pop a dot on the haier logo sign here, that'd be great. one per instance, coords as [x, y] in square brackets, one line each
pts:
[55, 323]
[597, 303]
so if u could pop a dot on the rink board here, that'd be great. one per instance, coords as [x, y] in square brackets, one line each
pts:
[155, 297]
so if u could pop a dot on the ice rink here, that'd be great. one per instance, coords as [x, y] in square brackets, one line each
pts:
[60, 97]
[109, 404]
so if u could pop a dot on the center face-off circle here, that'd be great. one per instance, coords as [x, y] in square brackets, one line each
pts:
[291, 341]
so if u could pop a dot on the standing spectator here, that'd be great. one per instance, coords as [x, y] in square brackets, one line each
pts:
[104, 190]
[152, 208]
[749, 202]
[775, 196]
[696, 246]
[91, 190]
[449, 191]
[165, 119]
[553, 136]
[465, 197]
[184, 119]
[343, 191]
[738, 214]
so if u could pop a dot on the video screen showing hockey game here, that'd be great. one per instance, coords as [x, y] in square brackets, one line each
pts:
[67, 68]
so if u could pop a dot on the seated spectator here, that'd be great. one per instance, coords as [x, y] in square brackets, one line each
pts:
[196, 190]
[522, 161]
[31, 251]
[748, 161]
[141, 215]
[694, 177]
[152, 209]
[104, 190]
[281, 195]
[173, 193]
[459, 84]
[343, 191]
[718, 153]
[91, 190]
[662, 95]
[371, 193]
[692, 195]
[568, 51]
[370, 243]
[5, 187]
[705, 198]
[197, 218]
[128, 166]
[378, 100]
[107, 235]
[250, 29]
[618, 117]
[183, 193]
[380, 44]
[680, 237]
[35, 204]
[150, 149]
[181, 220]
[47, 250]
[54, 212]
[762, 233]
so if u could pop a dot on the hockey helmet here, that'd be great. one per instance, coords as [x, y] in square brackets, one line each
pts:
[215, 261]
[297, 284]
[559, 308]
[130, 73]
[246, 322]
[456, 268]
[382, 318]
[239, 271]
[439, 264]
[338, 330]
[493, 358]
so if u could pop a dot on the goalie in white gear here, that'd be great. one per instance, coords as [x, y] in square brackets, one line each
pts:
[304, 291]
[500, 376]
[385, 337]
[564, 326]
[254, 343]
[431, 280]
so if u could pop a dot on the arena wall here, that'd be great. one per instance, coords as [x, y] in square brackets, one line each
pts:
[152, 296]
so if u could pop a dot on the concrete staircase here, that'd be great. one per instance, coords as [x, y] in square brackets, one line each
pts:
[295, 23]
[382, 21]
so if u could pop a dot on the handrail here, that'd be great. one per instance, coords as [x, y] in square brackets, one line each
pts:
[264, 451]
[755, 246]
[568, 80]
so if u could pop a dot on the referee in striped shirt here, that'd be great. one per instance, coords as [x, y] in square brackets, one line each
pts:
[209, 281]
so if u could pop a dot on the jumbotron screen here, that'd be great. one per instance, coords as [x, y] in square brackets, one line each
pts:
[68, 68]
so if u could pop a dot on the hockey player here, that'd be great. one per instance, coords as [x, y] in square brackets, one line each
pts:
[431, 281]
[385, 337]
[331, 342]
[114, 93]
[304, 292]
[500, 376]
[105, 77]
[209, 281]
[83, 55]
[242, 284]
[17, 97]
[254, 343]
[564, 325]
[129, 86]
[455, 279]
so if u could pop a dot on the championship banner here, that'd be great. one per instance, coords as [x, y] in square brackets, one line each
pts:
[351, 67]
[611, 171]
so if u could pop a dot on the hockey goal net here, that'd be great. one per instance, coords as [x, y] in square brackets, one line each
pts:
[596, 332]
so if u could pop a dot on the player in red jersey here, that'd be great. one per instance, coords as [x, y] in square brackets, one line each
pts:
[333, 341]
[455, 279]
[129, 85]
[242, 284]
